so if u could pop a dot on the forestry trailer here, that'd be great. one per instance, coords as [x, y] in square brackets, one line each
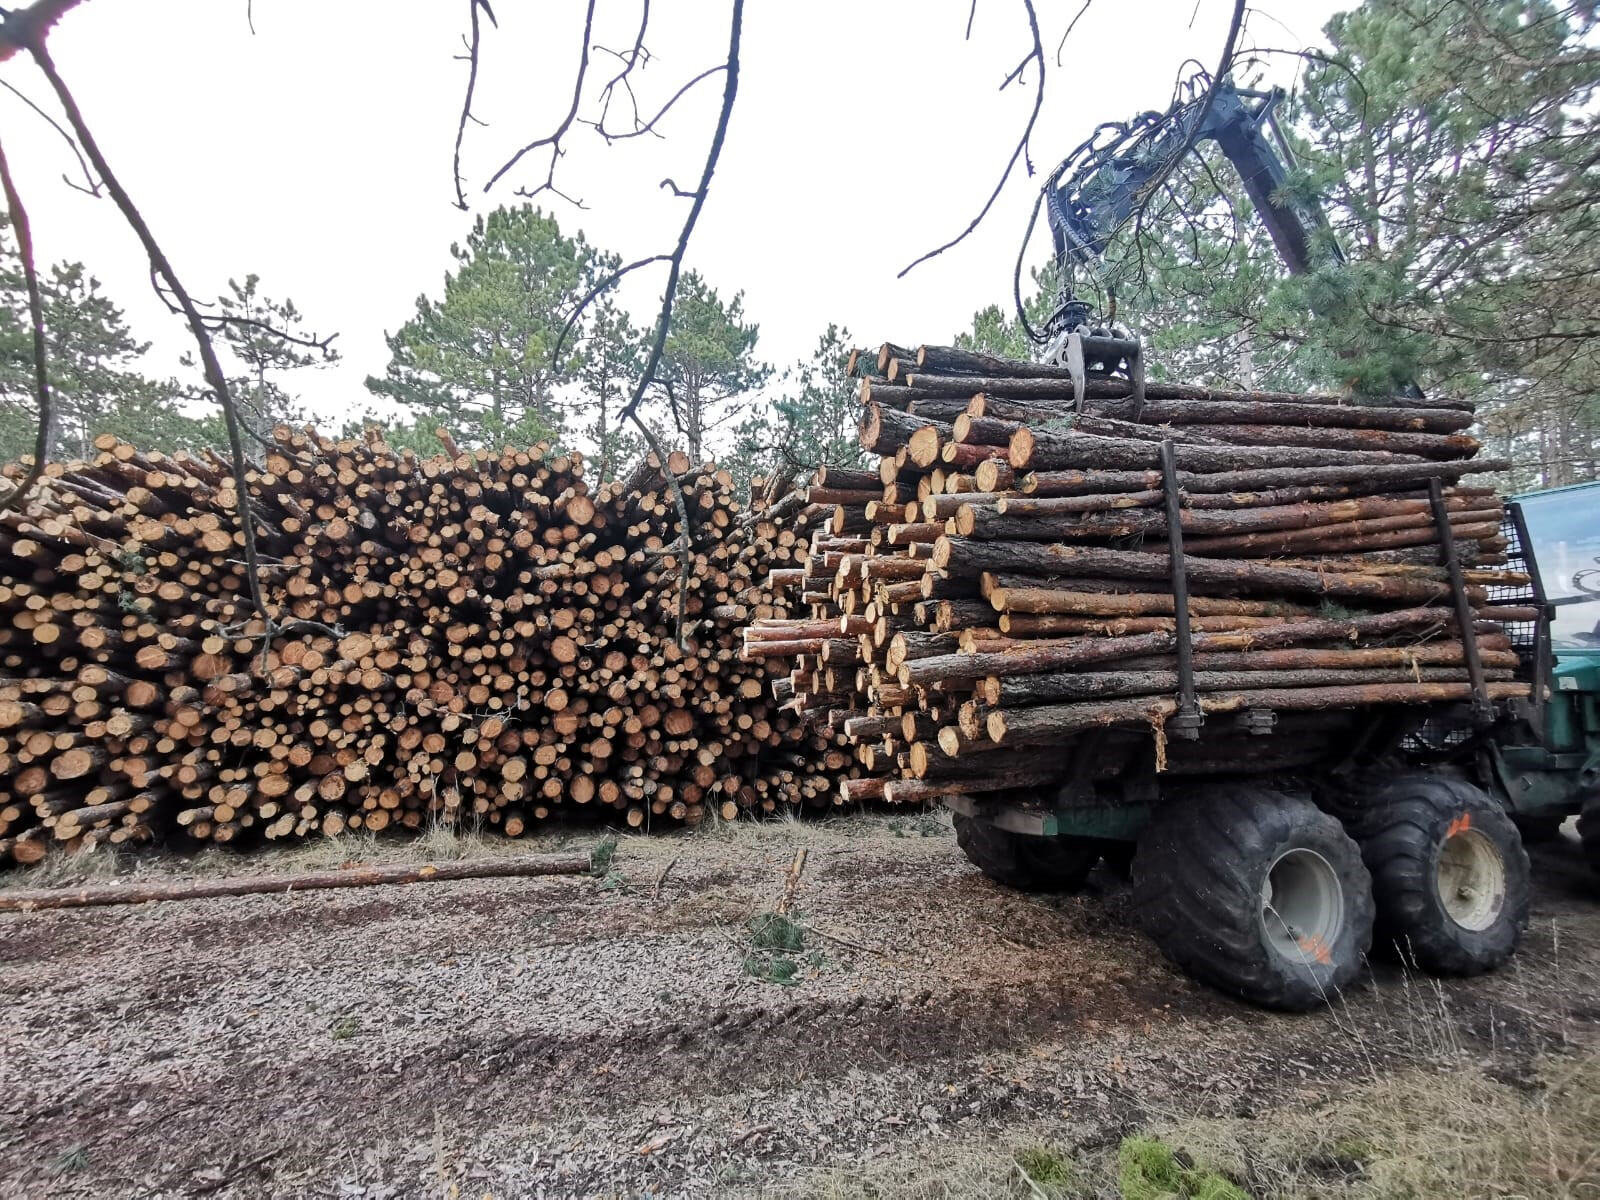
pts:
[1404, 819]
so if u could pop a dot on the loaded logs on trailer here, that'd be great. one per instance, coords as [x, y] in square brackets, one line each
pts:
[475, 637]
[1005, 580]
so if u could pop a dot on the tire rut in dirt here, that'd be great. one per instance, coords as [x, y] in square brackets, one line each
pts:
[1199, 875]
[1404, 839]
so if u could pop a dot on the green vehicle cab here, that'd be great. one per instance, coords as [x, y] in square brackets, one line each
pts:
[1547, 767]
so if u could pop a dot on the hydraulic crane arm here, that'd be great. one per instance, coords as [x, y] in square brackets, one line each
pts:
[1100, 186]
[1097, 189]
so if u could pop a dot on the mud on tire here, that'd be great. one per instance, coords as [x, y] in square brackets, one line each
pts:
[1449, 874]
[1256, 892]
[1024, 862]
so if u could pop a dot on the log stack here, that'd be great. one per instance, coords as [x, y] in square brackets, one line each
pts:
[1005, 580]
[478, 636]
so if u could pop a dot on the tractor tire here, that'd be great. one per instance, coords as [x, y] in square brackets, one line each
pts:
[1024, 862]
[1257, 893]
[1589, 829]
[1449, 874]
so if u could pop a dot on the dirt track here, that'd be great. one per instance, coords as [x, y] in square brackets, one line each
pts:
[580, 1037]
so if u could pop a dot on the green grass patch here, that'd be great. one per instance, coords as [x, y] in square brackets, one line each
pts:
[1045, 1168]
[1149, 1169]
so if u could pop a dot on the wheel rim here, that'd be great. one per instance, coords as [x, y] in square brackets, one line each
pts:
[1302, 907]
[1471, 879]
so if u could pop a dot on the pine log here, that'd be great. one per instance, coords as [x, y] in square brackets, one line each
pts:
[971, 558]
[1048, 655]
[1036, 726]
[196, 889]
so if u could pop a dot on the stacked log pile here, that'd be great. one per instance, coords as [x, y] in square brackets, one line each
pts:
[476, 636]
[995, 607]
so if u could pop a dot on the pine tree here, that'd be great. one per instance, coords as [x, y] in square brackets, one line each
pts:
[1450, 143]
[479, 360]
[251, 333]
[811, 424]
[708, 363]
[92, 358]
[611, 357]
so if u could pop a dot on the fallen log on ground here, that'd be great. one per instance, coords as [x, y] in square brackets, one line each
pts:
[34, 899]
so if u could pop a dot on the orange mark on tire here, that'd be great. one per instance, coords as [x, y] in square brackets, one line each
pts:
[1459, 825]
[1316, 948]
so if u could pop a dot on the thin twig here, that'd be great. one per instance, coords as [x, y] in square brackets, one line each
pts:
[1021, 151]
[1071, 25]
[629, 61]
[41, 381]
[844, 941]
[649, 126]
[730, 91]
[553, 139]
[472, 83]
[655, 892]
[89, 183]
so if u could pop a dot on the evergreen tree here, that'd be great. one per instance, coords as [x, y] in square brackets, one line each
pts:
[811, 424]
[611, 357]
[251, 331]
[1451, 144]
[708, 363]
[92, 364]
[479, 360]
[997, 330]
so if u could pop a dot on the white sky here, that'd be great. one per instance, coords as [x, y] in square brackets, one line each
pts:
[316, 152]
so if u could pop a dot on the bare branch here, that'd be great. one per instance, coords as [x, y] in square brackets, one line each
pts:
[650, 125]
[594, 293]
[41, 382]
[553, 139]
[630, 60]
[215, 322]
[24, 28]
[89, 183]
[1021, 151]
[472, 82]
[730, 90]
[1071, 25]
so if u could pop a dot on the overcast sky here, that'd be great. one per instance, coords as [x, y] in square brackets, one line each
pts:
[316, 151]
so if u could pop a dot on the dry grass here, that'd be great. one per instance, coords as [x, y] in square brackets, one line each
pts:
[1453, 1132]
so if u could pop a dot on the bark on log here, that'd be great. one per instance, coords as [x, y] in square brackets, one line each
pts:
[1025, 690]
[1038, 450]
[195, 889]
[1041, 656]
[1029, 726]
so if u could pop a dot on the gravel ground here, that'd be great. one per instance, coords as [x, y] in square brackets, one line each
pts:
[568, 1036]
